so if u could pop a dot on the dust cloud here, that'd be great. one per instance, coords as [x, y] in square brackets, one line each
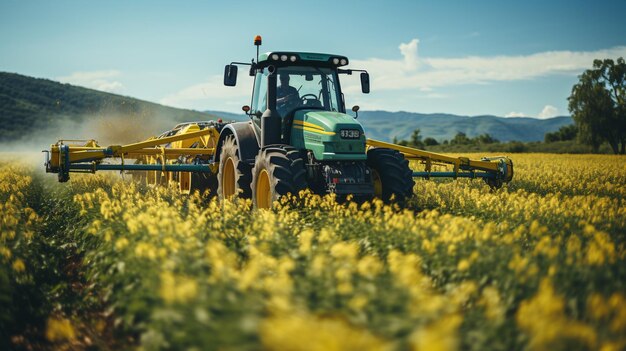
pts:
[106, 128]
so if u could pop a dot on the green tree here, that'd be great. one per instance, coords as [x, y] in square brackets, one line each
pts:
[486, 139]
[416, 138]
[430, 141]
[564, 133]
[460, 139]
[598, 104]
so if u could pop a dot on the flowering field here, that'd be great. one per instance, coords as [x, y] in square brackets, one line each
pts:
[106, 263]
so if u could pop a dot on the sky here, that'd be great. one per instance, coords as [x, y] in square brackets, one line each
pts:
[503, 58]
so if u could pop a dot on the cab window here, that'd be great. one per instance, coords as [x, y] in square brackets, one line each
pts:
[259, 96]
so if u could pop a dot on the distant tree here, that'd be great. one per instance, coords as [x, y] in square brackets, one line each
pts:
[395, 140]
[598, 104]
[564, 133]
[551, 137]
[416, 138]
[460, 139]
[568, 132]
[486, 139]
[516, 146]
[430, 141]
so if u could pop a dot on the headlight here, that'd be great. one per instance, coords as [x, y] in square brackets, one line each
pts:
[344, 62]
[275, 57]
[336, 61]
[283, 57]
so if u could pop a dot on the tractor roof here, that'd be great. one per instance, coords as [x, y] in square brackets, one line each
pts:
[280, 58]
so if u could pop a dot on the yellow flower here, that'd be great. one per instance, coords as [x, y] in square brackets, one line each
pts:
[121, 243]
[19, 266]
[369, 266]
[59, 329]
[441, 335]
[463, 265]
[543, 318]
[306, 236]
[5, 252]
[177, 288]
[301, 331]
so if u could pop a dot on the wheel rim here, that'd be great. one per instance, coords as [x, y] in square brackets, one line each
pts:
[378, 184]
[228, 178]
[263, 193]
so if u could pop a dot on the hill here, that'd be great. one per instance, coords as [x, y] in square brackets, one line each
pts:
[32, 108]
[384, 125]
[387, 125]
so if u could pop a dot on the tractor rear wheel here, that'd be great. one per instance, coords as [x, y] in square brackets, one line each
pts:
[278, 170]
[391, 175]
[234, 175]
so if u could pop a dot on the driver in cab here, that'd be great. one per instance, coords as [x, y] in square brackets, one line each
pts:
[286, 95]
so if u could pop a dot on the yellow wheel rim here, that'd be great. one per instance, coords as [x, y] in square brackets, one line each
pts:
[378, 184]
[228, 178]
[263, 191]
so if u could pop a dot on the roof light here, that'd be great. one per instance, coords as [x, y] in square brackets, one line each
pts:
[336, 61]
[257, 40]
[275, 57]
[344, 62]
[283, 57]
[292, 58]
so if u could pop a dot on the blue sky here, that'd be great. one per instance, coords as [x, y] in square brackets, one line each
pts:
[506, 58]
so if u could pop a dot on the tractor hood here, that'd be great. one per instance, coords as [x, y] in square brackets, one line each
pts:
[330, 135]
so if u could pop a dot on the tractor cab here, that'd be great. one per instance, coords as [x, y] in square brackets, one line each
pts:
[300, 93]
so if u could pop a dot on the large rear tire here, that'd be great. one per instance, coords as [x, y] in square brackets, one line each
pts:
[391, 175]
[234, 174]
[278, 170]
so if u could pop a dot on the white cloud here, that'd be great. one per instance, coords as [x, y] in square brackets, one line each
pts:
[411, 72]
[212, 94]
[99, 80]
[515, 114]
[548, 111]
[409, 51]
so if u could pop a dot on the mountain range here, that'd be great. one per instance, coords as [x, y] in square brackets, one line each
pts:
[33, 106]
[386, 126]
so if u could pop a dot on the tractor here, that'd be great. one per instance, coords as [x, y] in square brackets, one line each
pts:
[299, 136]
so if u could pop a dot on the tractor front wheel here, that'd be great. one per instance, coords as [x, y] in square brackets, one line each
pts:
[391, 175]
[278, 170]
[233, 177]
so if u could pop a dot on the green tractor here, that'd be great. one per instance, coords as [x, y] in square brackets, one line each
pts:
[300, 136]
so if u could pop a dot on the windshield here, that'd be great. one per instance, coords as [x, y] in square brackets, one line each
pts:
[307, 87]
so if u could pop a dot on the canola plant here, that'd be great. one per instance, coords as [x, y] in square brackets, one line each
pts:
[538, 264]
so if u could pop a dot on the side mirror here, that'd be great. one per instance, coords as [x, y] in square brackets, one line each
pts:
[245, 109]
[365, 83]
[230, 75]
[355, 109]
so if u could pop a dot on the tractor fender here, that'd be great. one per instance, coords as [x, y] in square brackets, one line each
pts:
[246, 138]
